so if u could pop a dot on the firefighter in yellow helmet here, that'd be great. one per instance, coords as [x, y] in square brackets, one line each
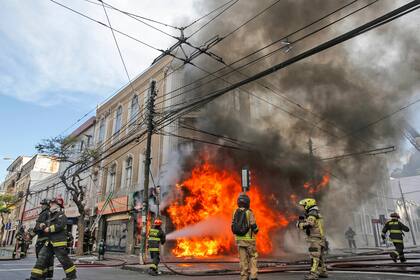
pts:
[312, 224]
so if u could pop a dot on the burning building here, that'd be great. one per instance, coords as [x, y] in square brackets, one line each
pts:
[282, 127]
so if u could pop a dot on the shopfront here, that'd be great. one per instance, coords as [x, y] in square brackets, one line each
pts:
[115, 223]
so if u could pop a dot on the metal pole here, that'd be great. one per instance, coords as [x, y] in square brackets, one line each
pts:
[147, 162]
[406, 213]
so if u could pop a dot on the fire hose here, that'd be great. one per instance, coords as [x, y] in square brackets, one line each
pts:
[334, 265]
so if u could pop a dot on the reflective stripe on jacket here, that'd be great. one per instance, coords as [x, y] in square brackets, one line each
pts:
[156, 238]
[395, 229]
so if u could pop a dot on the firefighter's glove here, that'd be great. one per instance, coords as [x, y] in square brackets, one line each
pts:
[301, 218]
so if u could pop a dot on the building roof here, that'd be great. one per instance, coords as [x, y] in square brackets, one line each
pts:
[85, 126]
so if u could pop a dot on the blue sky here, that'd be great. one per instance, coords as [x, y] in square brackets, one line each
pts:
[55, 66]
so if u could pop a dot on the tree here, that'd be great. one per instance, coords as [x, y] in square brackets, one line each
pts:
[75, 163]
[7, 202]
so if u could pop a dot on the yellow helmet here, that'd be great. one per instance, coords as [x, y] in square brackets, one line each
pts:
[307, 203]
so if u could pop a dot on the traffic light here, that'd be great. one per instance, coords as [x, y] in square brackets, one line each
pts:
[246, 179]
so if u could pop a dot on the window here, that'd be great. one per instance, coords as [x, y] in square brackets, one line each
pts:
[101, 131]
[141, 169]
[118, 119]
[134, 109]
[112, 176]
[82, 145]
[128, 172]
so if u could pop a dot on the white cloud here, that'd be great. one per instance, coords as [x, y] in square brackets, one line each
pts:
[50, 55]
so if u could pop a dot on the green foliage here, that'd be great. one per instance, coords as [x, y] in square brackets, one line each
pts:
[7, 201]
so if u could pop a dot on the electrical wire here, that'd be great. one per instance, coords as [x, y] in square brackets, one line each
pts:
[213, 18]
[118, 47]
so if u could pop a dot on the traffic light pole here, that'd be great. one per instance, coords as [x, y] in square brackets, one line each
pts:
[147, 162]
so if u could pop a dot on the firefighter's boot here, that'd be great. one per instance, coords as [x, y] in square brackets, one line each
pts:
[394, 256]
[311, 276]
[70, 277]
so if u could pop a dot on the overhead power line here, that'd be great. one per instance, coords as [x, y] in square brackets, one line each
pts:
[394, 14]
[118, 47]
[213, 18]
[372, 152]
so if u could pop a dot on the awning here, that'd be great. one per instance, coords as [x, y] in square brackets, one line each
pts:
[118, 217]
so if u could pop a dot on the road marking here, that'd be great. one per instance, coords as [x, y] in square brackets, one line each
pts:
[55, 268]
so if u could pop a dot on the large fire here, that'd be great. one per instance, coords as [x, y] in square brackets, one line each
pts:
[211, 192]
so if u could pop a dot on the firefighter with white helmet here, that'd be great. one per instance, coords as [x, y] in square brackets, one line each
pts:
[312, 223]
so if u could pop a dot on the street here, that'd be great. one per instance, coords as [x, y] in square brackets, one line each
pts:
[20, 269]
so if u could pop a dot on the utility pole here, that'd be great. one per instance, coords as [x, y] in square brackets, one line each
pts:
[406, 213]
[147, 162]
[311, 161]
[21, 218]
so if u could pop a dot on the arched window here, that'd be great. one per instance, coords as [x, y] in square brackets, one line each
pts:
[101, 136]
[128, 175]
[118, 119]
[112, 178]
[134, 108]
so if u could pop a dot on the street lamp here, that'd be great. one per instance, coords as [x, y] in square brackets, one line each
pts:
[406, 211]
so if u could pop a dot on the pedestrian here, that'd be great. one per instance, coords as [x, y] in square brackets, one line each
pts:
[396, 233]
[156, 238]
[42, 238]
[350, 238]
[312, 223]
[56, 230]
[245, 228]
[101, 250]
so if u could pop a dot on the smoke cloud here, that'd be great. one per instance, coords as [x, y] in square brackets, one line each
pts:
[342, 90]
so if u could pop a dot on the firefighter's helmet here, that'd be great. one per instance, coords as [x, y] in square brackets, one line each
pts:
[307, 203]
[244, 200]
[59, 201]
[44, 202]
[158, 222]
[395, 215]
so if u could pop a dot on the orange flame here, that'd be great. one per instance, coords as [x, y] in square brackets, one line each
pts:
[315, 188]
[211, 192]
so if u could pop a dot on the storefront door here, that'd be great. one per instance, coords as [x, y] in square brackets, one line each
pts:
[116, 236]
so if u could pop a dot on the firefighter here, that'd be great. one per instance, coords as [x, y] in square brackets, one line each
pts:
[40, 225]
[245, 228]
[56, 230]
[350, 238]
[20, 239]
[156, 238]
[312, 224]
[101, 250]
[396, 232]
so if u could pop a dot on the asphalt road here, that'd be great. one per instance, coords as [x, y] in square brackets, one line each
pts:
[20, 269]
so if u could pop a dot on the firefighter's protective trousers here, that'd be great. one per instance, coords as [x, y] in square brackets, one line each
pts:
[47, 252]
[49, 271]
